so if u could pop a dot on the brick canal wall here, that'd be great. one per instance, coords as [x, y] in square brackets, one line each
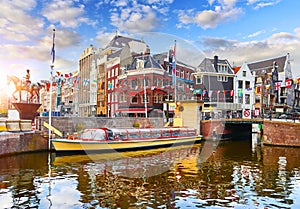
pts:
[281, 133]
[12, 143]
[74, 124]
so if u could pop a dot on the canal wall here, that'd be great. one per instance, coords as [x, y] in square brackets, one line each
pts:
[69, 125]
[281, 133]
[211, 128]
[18, 142]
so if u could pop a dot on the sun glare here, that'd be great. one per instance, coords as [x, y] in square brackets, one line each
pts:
[4, 87]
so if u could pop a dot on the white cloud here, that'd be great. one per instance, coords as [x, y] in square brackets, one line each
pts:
[238, 52]
[256, 33]
[211, 18]
[138, 19]
[65, 13]
[16, 22]
[262, 3]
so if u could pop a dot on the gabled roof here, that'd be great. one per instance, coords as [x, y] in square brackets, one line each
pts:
[266, 66]
[160, 58]
[207, 65]
[236, 69]
[149, 62]
[120, 42]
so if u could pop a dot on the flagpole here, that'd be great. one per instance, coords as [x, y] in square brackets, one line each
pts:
[174, 73]
[51, 83]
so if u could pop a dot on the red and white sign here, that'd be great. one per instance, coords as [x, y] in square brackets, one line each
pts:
[288, 83]
[246, 113]
[256, 112]
[277, 86]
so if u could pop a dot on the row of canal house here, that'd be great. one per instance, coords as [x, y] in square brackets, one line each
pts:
[117, 80]
[253, 89]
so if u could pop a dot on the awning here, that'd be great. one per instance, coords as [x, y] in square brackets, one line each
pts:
[134, 110]
[133, 93]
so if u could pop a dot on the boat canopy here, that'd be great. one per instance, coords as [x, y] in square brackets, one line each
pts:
[93, 134]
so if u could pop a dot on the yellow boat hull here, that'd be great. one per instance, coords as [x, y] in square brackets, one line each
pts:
[66, 145]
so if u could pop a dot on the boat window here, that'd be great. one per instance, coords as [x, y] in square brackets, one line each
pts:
[133, 134]
[175, 133]
[166, 133]
[110, 134]
[156, 133]
[146, 134]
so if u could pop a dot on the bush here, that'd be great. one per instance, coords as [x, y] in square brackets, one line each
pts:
[136, 124]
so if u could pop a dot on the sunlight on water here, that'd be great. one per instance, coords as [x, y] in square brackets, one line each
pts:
[230, 178]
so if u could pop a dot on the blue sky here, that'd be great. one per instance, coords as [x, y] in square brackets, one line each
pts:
[237, 30]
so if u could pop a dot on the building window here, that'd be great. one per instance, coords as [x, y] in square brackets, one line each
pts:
[134, 100]
[240, 84]
[247, 84]
[123, 97]
[222, 78]
[244, 73]
[247, 98]
[143, 98]
[240, 99]
[199, 80]
[134, 84]
[222, 68]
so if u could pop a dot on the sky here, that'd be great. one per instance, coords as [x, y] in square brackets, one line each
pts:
[237, 30]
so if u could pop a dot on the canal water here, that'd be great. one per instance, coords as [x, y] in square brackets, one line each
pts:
[227, 174]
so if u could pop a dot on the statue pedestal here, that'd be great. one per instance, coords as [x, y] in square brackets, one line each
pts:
[27, 111]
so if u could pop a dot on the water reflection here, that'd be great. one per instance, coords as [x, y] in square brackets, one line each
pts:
[235, 175]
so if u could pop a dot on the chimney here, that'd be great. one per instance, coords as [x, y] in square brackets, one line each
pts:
[216, 62]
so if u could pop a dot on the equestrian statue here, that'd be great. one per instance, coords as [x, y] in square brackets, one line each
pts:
[25, 86]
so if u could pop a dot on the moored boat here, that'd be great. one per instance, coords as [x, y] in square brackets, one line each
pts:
[122, 139]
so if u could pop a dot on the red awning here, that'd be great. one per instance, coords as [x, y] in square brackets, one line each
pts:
[134, 110]
[133, 93]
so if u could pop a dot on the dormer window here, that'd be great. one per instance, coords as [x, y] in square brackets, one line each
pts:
[222, 68]
[199, 80]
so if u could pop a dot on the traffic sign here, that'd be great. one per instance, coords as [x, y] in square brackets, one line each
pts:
[247, 113]
[256, 112]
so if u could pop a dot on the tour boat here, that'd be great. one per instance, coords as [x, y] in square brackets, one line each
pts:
[122, 139]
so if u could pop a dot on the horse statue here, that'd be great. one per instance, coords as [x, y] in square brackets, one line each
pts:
[21, 85]
[35, 90]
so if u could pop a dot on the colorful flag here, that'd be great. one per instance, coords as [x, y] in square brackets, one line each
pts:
[257, 89]
[240, 92]
[53, 47]
[174, 63]
[277, 86]
[85, 82]
[288, 83]
[210, 93]
[232, 93]
[203, 92]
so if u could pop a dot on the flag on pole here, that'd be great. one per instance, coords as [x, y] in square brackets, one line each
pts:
[288, 83]
[231, 92]
[174, 63]
[277, 86]
[53, 47]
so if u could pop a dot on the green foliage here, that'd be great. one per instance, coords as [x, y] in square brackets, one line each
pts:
[136, 124]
